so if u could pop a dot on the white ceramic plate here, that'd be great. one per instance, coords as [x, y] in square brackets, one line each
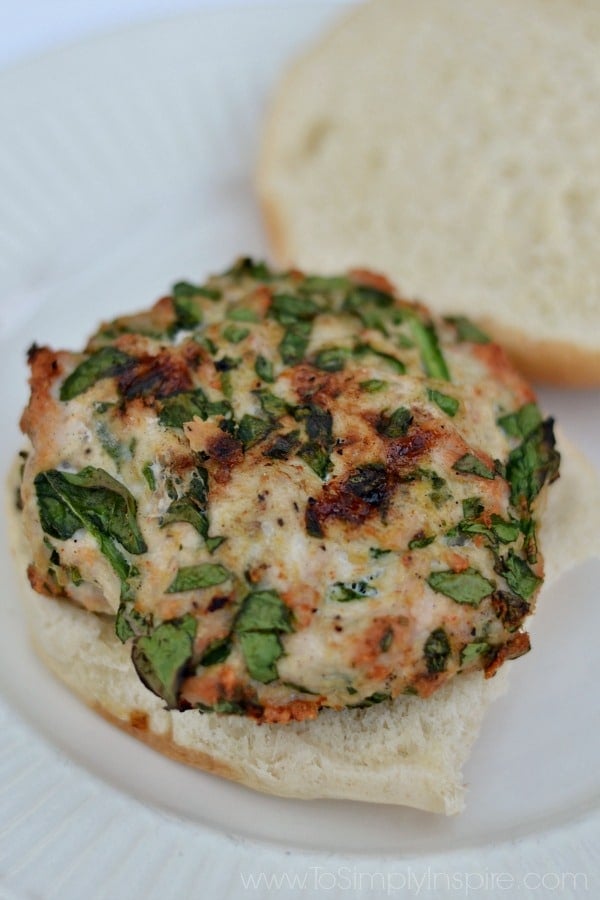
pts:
[125, 164]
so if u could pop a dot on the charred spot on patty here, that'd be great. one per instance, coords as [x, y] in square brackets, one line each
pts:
[158, 376]
[365, 493]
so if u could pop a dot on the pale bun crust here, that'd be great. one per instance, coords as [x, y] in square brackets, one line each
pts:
[552, 362]
[409, 752]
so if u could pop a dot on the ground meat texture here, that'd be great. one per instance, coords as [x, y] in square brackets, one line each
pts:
[291, 492]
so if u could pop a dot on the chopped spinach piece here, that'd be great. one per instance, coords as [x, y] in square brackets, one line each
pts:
[206, 344]
[185, 509]
[184, 290]
[519, 577]
[324, 284]
[395, 364]
[283, 445]
[420, 541]
[129, 621]
[188, 313]
[505, 531]
[181, 408]
[75, 575]
[161, 657]
[104, 363]
[522, 422]
[377, 697]
[372, 385]
[364, 293]
[378, 552]
[91, 499]
[529, 539]
[432, 358]
[290, 308]
[261, 651]
[216, 652]
[318, 422]
[317, 457]
[319, 429]
[500, 529]
[109, 443]
[467, 331]
[437, 651]
[191, 578]
[397, 424]
[473, 651]
[294, 343]
[533, 463]
[242, 314]
[370, 305]
[467, 527]
[463, 587]
[355, 590]
[252, 430]
[246, 267]
[264, 369]
[234, 334]
[472, 507]
[213, 543]
[199, 485]
[469, 464]
[447, 404]
[332, 359]
[262, 617]
[440, 492]
[148, 473]
[273, 407]
[263, 611]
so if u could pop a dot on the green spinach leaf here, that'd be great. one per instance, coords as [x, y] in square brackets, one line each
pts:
[436, 651]
[355, 590]
[467, 330]
[397, 424]
[469, 464]
[432, 358]
[264, 369]
[533, 463]
[161, 657]
[203, 575]
[104, 363]
[468, 587]
[262, 617]
[94, 500]
[263, 611]
[519, 577]
[447, 404]
[261, 651]
[522, 422]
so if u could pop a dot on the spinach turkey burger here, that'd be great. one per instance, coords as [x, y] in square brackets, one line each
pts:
[288, 492]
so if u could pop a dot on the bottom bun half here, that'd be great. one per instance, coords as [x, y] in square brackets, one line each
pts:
[408, 752]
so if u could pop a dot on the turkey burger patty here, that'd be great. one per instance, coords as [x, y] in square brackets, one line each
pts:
[290, 491]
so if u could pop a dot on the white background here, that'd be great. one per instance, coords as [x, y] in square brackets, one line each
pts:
[31, 27]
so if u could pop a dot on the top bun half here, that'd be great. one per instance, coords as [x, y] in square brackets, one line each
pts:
[453, 146]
